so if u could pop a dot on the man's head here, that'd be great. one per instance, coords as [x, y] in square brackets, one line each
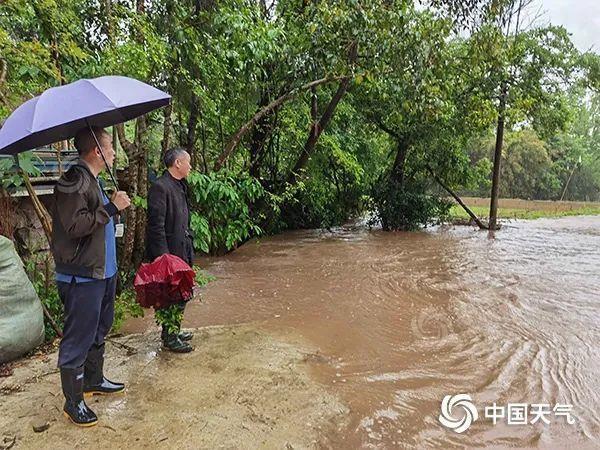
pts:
[88, 148]
[178, 162]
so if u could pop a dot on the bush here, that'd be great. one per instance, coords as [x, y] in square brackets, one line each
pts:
[222, 215]
[331, 195]
[38, 268]
[407, 207]
[126, 306]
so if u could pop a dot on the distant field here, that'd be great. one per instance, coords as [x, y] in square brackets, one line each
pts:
[510, 208]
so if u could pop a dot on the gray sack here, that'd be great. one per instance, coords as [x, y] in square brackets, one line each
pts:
[21, 315]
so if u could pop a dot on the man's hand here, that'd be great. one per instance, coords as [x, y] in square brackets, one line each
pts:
[121, 200]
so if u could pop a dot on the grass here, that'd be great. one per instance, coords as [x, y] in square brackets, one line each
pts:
[524, 209]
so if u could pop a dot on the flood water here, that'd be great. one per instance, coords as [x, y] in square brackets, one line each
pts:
[404, 319]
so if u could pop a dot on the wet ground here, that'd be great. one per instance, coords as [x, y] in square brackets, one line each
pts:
[242, 388]
[403, 319]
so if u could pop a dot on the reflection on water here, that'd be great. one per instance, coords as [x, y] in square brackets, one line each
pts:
[407, 318]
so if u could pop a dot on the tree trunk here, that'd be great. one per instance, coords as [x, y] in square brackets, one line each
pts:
[203, 149]
[130, 219]
[108, 24]
[260, 133]
[398, 169]
[562, 197]
[498, 157]
[316, 130]
[139, 248]
[38, 206]
[3, 71]
[132, 245]
[166, 131]
[191, 130]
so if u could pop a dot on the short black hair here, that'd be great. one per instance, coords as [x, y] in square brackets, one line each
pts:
[85, 142]
[172, 154]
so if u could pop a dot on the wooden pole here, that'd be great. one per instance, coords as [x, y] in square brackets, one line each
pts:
[568, 181]
[38, 206]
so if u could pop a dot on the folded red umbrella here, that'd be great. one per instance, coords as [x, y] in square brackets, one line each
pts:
[163, 282]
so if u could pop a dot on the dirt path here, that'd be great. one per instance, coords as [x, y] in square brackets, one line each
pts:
[241, 388]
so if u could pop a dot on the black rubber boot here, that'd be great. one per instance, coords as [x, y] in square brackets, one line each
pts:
[94, 382]
[75, 408]
[186, 335]
[172, 343]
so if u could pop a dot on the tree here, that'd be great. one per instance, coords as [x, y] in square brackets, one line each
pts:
[425, 96]
[530, 69]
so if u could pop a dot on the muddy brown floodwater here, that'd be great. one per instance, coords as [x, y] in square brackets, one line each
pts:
[403, 319]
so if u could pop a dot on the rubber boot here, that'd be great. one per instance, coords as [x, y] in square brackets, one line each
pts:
[94, 381]
[173, 343]
[185, 335]
[75, 408]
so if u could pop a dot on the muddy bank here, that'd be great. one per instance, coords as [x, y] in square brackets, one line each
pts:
[241, 388]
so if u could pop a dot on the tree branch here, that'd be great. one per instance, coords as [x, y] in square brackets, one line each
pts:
[385, 128]
[127, 145]
[457, 198]
[3, 69]
[235, 139]
[317, 128]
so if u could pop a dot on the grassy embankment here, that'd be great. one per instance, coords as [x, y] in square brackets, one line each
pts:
[525, 209]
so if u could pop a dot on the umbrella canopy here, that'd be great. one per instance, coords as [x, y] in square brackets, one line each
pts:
[60, 112]
[163, 282]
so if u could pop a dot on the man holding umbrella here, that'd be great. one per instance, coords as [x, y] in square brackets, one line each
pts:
[83, 234]
[84, 250]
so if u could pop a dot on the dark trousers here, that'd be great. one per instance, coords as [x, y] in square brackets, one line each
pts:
[89, 313]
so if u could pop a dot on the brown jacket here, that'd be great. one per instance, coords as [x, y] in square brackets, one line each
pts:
[78, 220]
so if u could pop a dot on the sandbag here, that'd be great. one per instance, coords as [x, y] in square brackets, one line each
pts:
[21, 315]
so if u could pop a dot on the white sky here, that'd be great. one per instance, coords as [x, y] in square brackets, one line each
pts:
[581, 18]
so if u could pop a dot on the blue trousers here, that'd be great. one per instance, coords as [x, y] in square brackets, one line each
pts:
[89, 314]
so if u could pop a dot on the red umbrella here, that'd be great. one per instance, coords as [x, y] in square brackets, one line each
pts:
[163, 282]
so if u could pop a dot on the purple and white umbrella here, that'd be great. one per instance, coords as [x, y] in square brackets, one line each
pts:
[60, 112]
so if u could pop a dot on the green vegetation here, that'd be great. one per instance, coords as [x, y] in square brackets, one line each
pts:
[221, 215]
[305, 114]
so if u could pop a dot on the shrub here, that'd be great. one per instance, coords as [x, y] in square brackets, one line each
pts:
[222, 215]
[406, 207]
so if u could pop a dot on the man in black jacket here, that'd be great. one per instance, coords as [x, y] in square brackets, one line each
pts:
[84, 250]
[168, 231]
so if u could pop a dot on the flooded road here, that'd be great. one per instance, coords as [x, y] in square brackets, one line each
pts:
[404, 319]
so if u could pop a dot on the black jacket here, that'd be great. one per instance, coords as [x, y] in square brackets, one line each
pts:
[168, 229]
[78, 220]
